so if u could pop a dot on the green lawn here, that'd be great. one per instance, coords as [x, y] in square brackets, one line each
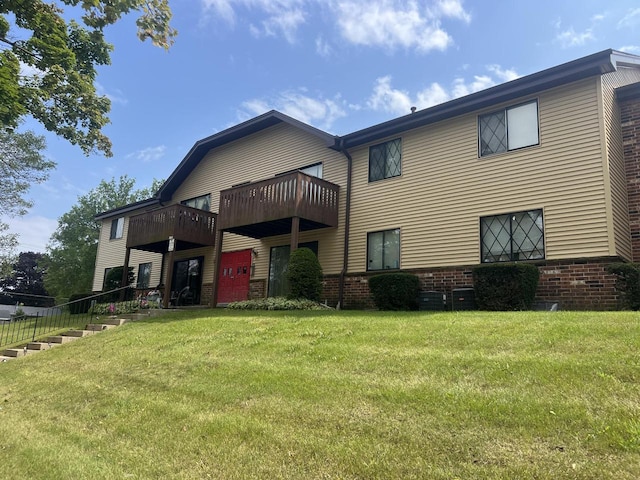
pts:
[228, 394]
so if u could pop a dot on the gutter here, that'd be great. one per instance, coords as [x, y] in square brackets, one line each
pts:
[347, 220]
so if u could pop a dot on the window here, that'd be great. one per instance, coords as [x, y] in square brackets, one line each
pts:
[278, 266]
[508, 129]
[385, 160]
[104, 279]
[202, 202]
[313, 170]
[144, 275]
[511, 237]
[117, 227]
[383, 250]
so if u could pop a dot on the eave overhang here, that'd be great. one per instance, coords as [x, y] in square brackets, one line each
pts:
[596, 64]
[132, 207]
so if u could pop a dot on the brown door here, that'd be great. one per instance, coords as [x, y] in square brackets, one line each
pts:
[234, 276]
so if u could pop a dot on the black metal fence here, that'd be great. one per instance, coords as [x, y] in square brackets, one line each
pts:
[20, 328]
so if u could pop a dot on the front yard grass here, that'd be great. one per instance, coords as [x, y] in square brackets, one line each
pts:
[349, 395]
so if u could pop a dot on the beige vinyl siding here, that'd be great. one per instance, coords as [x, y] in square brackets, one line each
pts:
[111, 254]
[615, 157]
[259, 156]
[445, 187]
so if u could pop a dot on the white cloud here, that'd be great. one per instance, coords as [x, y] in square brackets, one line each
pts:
[33, 231]
[321, 112]
[630, 49]
[281, 17]
[322, 47]
[116, 96]
[391, 24]
[399, 102]
[571, 38]
[631, 19]
[149, 154]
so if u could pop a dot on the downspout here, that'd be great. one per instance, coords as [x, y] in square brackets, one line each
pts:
[347, 220]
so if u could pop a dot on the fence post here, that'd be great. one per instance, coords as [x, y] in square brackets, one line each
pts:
[35, 327]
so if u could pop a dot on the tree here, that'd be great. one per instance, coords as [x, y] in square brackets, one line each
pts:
[26, 277]
[48, 69]
[73, 246]
[21, 165]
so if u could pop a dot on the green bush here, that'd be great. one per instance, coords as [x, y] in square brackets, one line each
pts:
[304, 275]
[276, 303]
[395, 291]
[77, 304]
[116, 308]
[627, 283]
[505, 286]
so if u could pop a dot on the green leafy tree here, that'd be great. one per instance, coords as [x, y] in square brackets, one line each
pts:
[26, 277]
[48, 68]
[73, 246]
[21, 165]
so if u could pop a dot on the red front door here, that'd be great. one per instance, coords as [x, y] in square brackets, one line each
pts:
[233, 284]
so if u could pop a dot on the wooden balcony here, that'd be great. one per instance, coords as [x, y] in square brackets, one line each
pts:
[267, 207]
[190, 227]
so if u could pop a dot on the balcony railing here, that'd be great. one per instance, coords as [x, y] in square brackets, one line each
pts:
[189, 227]
[265, 208]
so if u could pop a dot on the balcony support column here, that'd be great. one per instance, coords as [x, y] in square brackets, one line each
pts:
[217, 268]
[166, 295]
[295, 232]
[125, 272]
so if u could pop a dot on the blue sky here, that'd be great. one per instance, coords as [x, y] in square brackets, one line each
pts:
[340, 65]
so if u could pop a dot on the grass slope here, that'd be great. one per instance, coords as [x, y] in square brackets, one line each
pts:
[350, 395]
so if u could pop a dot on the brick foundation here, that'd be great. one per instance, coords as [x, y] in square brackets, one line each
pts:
[257, 289]
[575, 285]
[206, 293]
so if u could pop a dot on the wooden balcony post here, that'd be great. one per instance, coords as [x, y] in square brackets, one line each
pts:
[217, 268]
[166, 296]
[295, 233]
[125, 272]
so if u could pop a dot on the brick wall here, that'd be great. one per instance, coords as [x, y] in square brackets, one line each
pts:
[206, 293]
[257, 289]
[575, 285]
[630, 118]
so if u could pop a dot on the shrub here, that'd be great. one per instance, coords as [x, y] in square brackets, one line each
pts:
[395, 291]
[116, 308]
[77, 304]
[276, 303]
[627, 283]
[304, 275]
[505, 286]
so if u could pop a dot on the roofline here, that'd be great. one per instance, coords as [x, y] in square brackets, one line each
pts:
[596, 64]
[628, 92]
[254, 125]
[120, 211]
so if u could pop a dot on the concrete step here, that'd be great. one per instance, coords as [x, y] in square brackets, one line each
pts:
[99, 327]
[61, 339]
[40, 345]
[78, 333]
[113, 321]
[17, 352]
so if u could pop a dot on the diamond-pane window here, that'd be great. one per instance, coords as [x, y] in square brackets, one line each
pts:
[385, 160]
[512, 237]
[508, 129]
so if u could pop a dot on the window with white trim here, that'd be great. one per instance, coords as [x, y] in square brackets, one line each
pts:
[383, 250]
[144, 275]
[203, 202]
[512, 237]
[117, 228]
[385, 160]
[508, 129]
